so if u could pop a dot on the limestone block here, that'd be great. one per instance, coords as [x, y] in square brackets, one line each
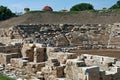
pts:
[98, 58]
[77, 63]
[104, 67]
[40, 75]
[53, 62]
[18, 62]
[82, 76]
[93, 72]
[102, 75]
[60, 79]
[51, 49]
[13, 62]
[23, 63]
[109, 60]
[89, 62]
[74, 69]
[51, 77]
[46, 69]
[11, 49]
[71, 55]
[60, 71]
[57, 71]
[15, 55]
[28, 51]
[47, 72]
[86, 56]
[5, 58]
[108, 77]
[62, 56]
[51, 68]
[114, 70]
[34, 67]
[71, 70]
[39, 54]
[80, 64]
[117, 64]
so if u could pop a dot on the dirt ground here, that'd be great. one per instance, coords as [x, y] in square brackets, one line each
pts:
[102, 52]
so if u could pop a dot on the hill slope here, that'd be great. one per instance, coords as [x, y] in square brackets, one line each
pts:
[58, 17]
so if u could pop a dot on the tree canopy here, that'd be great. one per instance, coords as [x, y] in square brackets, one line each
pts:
[82, 7]
[116, 6]
[5, 13]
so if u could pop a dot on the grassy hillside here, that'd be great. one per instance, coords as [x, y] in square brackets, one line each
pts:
[84, 17]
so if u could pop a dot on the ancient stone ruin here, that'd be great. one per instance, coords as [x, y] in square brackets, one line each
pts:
[92, 67]
[61, 35]
[46, 51]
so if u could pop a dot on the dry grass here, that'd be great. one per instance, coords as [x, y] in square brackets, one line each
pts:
[54, 17]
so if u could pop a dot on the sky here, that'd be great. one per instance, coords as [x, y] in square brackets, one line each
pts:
[57, 5]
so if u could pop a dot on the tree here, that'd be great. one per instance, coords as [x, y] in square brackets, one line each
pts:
[82, 7]
[26, 10]
[5, 13]
[116, 6]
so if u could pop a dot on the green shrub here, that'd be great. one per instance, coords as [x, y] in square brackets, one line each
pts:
[3, 77]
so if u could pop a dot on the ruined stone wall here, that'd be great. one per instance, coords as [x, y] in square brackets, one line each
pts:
[10, 49]
[92, 67]
[62, 34]
[62, 65]
[34, 52]
[87, 36]
[5, 58]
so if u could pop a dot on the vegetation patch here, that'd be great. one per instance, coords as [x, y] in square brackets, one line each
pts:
[35, 11]
[3, 77]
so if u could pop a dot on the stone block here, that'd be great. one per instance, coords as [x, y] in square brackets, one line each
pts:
[74, 69]
[13, 62]
[60, 71]
[28, 51]
[15, 55]
[102, 75]
[97, 58]
[5, 58]
[107, 60]
[71, 55]
[60, 79]
[18, 62]
[53, 62]
[89, 62]
[86, 56]
[23, 63]
[39, 75]
[117, 64]
[62, 56]
[34, 67]
[39, 54]
[92, 72]
[108, 77]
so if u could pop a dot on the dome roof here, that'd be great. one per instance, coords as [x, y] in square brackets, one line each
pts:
[47, 8]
